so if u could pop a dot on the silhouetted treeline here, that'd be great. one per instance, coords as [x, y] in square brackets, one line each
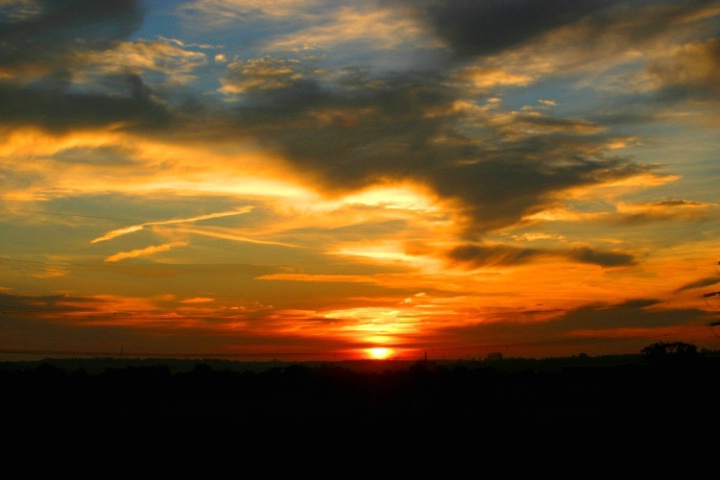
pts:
[420, 394]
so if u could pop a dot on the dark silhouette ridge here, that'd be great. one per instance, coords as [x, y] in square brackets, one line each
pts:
[576, 393]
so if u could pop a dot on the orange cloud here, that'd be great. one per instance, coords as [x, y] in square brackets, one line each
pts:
[142, 252]
[134, 228]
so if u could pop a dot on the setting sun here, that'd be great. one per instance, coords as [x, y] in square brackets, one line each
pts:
[379, 353]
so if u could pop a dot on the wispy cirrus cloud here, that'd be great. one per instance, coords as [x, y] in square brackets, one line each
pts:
[135, 228]
[233, 237]
[143, 252]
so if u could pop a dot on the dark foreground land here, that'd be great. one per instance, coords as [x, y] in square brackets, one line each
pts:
[508, 397]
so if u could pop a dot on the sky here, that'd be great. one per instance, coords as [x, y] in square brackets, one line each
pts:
[338, 180]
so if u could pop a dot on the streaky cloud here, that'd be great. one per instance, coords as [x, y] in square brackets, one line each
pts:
[142, 252]
[602, 258]
[475, 256]
[235, 238]
[703, 282]
[134, 228]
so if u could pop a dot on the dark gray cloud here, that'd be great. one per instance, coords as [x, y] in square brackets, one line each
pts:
[346, 136]
[482, 28]
[503, 186]
[703, 282]
[95, 156]
[52, 105]
[690, 73]
[677, 203]
[41, 43]
[46, 31]
[501, 255]
[478, 256]
[36, 305]
[602, 258]
[600, 316]
[630, 314]
[662, 212]
[488, 27]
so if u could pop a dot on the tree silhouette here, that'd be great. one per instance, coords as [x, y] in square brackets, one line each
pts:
[663, 353]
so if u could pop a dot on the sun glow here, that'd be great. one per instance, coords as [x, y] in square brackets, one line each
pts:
[379, 353]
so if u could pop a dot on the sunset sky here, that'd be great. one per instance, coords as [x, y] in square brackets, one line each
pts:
[315, 179]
